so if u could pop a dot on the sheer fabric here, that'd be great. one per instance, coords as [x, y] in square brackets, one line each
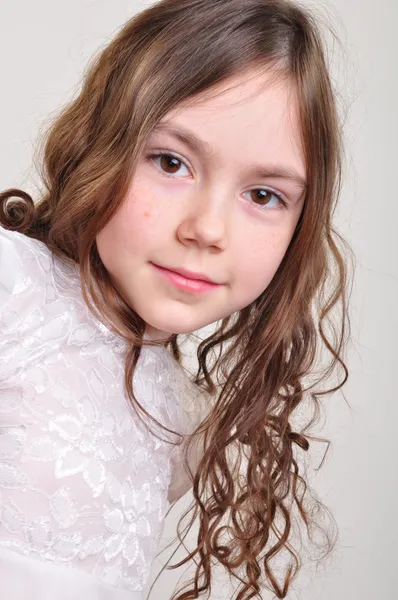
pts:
[83, 483]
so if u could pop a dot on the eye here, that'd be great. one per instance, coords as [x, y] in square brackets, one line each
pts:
[266, 197]
[168, 164]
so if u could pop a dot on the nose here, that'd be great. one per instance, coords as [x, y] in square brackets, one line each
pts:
[205, 223]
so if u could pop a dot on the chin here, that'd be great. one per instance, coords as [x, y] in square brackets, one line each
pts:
[159, 332]
[156, 328]
[167, 319]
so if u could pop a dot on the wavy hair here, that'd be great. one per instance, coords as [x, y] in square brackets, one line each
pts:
[266, 352]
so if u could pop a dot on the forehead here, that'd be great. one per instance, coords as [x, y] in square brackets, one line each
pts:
[253, 115]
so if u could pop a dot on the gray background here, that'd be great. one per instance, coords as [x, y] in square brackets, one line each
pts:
[45, 45]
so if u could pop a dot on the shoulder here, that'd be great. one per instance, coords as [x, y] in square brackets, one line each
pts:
[17, 246]
[24, 262]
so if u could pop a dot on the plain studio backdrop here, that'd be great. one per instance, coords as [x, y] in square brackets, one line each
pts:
[44, 47]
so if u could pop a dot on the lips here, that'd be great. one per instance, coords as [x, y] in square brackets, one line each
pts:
[194, 275]
[189, 282]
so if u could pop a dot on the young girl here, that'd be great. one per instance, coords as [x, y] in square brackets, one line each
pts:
[192, 181]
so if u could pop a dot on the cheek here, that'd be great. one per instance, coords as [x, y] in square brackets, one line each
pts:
[258, 263]
[140, 206]
[128, 231]
[137, 221]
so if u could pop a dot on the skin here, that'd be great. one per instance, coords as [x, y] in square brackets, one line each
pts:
[207, 212]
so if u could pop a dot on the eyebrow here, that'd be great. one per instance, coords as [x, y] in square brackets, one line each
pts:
[203, 148]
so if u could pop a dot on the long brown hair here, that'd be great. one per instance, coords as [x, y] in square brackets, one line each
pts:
[164, 55]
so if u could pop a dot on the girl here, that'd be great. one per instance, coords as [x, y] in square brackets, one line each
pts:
[192, 181]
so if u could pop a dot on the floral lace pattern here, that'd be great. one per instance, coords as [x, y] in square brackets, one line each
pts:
[82, 481]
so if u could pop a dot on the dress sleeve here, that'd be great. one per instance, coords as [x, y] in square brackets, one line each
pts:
[10, 264]
[24, 265]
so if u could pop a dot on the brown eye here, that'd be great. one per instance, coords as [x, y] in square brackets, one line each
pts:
[169, 164]
[261, 197]
[266, 197]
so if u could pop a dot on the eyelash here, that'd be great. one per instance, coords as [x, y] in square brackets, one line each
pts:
[278, 195]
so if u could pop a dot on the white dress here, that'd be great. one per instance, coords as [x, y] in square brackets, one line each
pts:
[83, 483]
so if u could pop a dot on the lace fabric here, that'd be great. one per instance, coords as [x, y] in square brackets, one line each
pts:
[83, 483]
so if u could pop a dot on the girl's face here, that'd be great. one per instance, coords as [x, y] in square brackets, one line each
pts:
[217, 193]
